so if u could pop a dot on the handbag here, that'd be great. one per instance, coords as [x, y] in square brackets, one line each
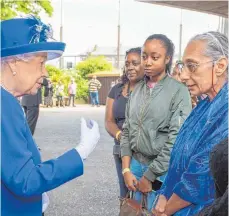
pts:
[130, 207]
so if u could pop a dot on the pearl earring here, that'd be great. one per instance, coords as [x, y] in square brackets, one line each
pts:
[14, 73]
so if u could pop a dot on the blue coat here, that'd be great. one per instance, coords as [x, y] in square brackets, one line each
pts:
[189, 175]
[23, 176]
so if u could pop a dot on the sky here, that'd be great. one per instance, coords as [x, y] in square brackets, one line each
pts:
[87, 23]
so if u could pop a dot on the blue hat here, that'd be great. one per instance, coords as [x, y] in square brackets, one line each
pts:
[28, 35]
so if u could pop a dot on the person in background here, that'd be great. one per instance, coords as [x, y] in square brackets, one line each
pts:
[72, 92]
[94, 86]
[119, 80]
[60, 94]
[176, 75]
[31, 106]
[175, 72]
[48, 94]
[25, 179]
[113, 84]
[189, 185]
[116, 106]
[155, 112]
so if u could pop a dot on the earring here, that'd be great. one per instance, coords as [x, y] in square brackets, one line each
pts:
[14, 73]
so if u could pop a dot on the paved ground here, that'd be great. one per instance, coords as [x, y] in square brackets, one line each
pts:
[95, 193]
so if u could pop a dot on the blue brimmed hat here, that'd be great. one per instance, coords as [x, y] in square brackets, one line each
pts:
[28, 35]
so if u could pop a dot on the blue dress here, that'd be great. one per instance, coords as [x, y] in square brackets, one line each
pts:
[23, 176]
[189, 174]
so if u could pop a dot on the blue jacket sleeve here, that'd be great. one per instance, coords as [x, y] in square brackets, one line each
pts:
[20, 171]
[163, 189]
[197, 185]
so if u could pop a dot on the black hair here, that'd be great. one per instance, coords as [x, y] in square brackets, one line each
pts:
[137, 50]
[169, 46]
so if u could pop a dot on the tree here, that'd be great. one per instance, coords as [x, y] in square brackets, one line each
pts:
[11, 8]
[56, 75]
[93, 64]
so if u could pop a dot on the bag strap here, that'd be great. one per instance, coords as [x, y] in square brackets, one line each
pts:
[144, 200]
[129, 195]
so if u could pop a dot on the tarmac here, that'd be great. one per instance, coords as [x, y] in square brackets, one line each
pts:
[96, 192]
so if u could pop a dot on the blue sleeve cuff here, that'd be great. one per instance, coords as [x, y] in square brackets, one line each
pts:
[76, 167]
[182, 192]
[162, 192]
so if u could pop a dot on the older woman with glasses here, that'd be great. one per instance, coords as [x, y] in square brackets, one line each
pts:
[176, 75]
[189, 185]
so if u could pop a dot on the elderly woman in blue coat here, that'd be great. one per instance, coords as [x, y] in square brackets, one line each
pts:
[189, 186]
[25, 48]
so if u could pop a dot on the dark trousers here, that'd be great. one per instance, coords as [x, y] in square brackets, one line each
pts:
[72, 98]
[60, 101]
[32, 113]
[122, 186]
[94, 98]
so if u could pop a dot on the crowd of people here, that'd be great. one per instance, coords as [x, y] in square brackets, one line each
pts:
[57, 91]
[170, 130]
[170, 126]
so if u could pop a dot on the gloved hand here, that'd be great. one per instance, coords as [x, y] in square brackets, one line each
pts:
[89, 138]
[45, 202]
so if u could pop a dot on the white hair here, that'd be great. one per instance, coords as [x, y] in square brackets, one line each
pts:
[217, 44]
[22, 57]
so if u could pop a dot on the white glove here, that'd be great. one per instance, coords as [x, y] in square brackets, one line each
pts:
[45, 202]
[89, 138]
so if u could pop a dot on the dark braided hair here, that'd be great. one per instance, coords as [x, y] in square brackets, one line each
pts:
[137, 50]
[169, 46]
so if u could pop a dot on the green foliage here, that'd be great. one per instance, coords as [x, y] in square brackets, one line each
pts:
[52, 71]
[9, 8]
[82, 88]
[65, 77]
[93, 64]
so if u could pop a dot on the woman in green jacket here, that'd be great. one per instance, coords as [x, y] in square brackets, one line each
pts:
[155, 112]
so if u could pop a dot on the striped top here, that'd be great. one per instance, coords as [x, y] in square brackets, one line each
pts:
[94, 85]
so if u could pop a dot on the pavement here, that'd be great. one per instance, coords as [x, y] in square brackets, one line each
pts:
[96, 192]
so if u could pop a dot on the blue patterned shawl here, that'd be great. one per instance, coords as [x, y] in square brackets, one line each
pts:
[189, 175]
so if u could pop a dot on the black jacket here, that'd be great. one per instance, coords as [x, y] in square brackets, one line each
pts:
[33, 100]
[48, 90]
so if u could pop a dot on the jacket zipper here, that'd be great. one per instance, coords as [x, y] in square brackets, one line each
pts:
[140, 121]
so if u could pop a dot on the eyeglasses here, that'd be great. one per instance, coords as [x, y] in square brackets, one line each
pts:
[190, 67]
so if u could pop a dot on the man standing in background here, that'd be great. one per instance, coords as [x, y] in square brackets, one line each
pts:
[94, 86]
[72, 92]
[48, 94]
